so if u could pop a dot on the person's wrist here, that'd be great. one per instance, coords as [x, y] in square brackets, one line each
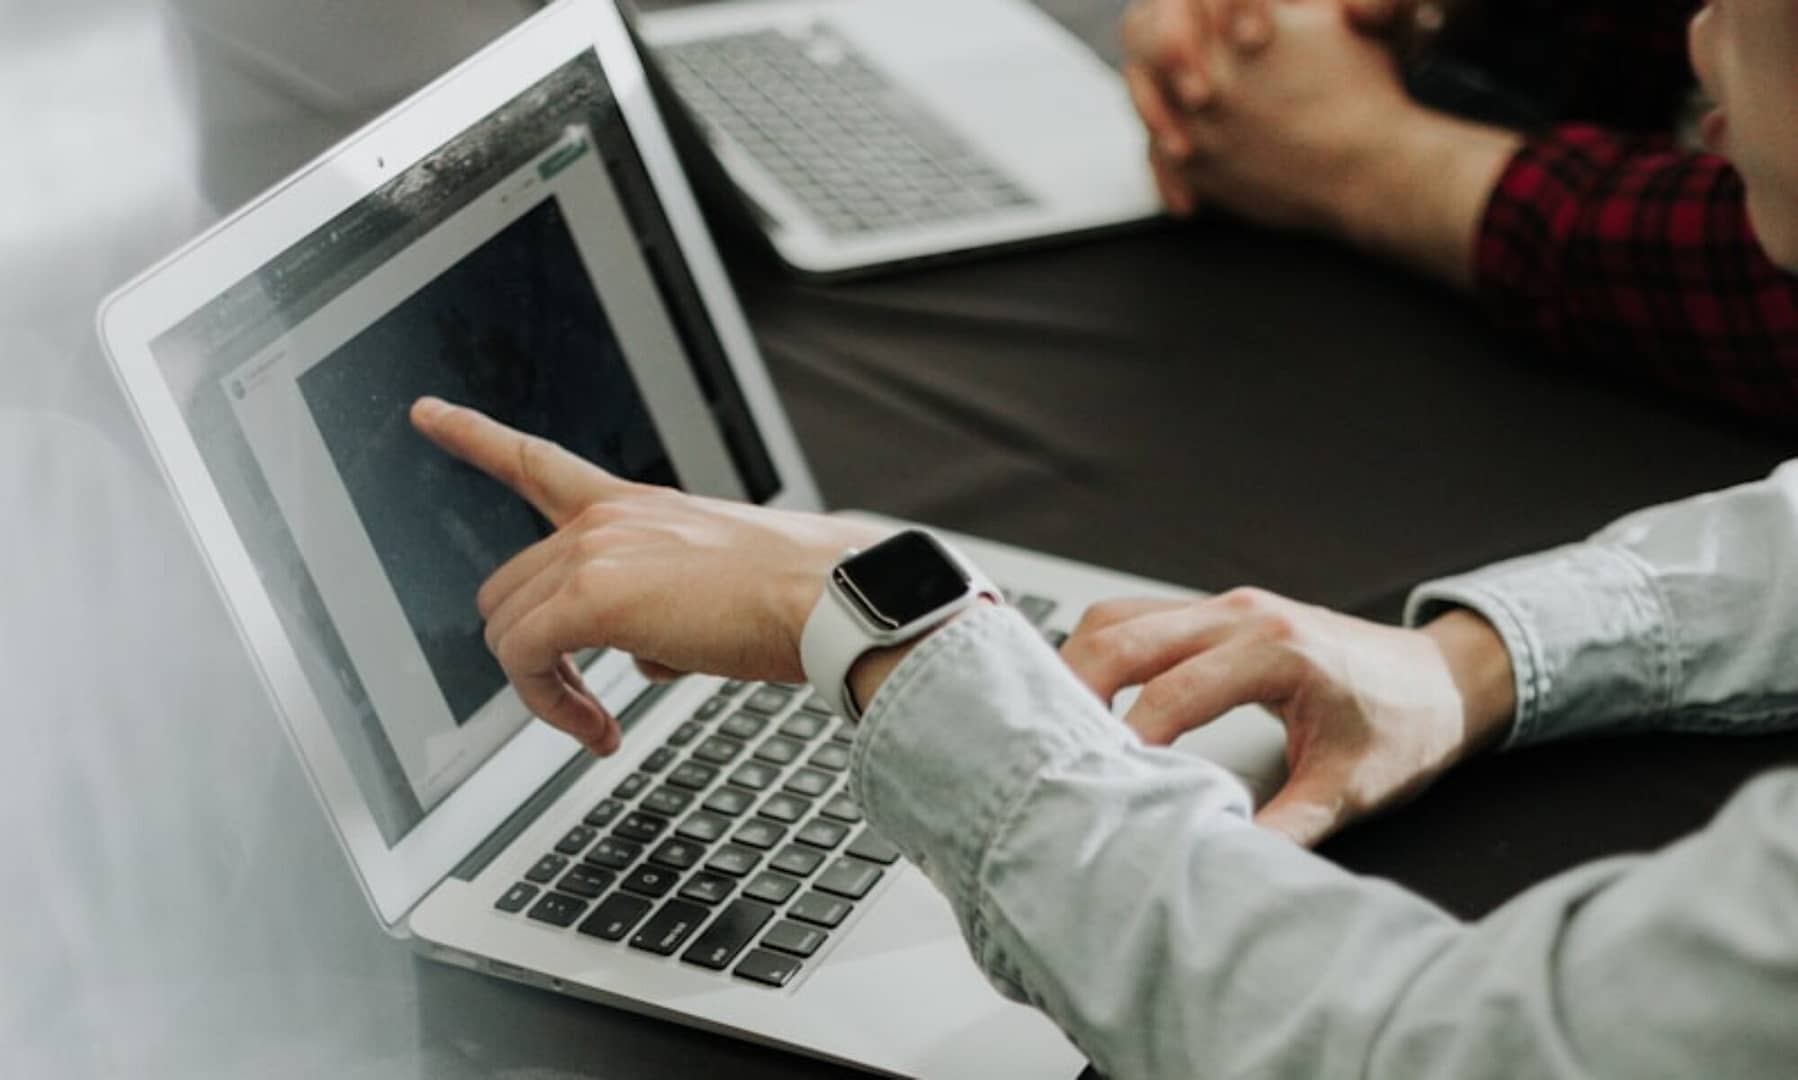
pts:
[1480, 666]
[1415, 186]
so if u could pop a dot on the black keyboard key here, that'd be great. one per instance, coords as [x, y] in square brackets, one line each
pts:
[615, 916]
[787, 808]
[603, 814]
[754, 775]
[771, 968]
[667, 801]
[734, 860]
[516, 897]
[718, 750]
[809, 782]
[843, 735]
[821, 910]
[817, 705]
[732, 687]
[659, 758]
[797, 861]
[707, 888]
[804, 725]
[743, 725]
[651, 880]
[546, 869]
[677, 854]
[1034, 608]
[577, 840]
[641, 827]
[768, 700]
[735, 927]
[613, 853]
[587, 881]
[842, 808]
[822, 833]
[558, 910]
[795, 937]
[711, 708]
[832, 756]
[850, 878]
[772, 887]
[874, 848]
[693, 775]
[1055, 638]
[632, 786]
[731, 802]
[685, 734]
[779, 750]
[669, 928]
[758, 833]
[703, 827]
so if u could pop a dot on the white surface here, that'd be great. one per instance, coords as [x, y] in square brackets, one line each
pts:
[161, 858]
[176, 904]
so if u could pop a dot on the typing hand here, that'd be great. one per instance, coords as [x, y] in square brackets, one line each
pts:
[1373, 713]
[679, 582]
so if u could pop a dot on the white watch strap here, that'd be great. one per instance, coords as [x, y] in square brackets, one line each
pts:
[832, 641]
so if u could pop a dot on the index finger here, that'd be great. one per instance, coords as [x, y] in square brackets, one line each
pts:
[559, 484]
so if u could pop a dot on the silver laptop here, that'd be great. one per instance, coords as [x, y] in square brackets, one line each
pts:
[519, 236]
[868, 133]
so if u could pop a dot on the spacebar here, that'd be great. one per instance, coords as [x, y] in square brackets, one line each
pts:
[725, 938]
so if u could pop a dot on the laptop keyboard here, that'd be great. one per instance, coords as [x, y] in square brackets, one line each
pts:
[735, 845]
[857, 152]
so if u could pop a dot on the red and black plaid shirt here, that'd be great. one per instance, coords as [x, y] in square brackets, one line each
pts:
[1623, 249]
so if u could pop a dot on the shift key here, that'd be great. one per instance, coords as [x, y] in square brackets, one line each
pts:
[724, 939]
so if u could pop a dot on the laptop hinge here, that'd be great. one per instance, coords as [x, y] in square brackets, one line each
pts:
[553, 788]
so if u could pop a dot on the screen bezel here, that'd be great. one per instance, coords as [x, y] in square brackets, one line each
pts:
[396, 878]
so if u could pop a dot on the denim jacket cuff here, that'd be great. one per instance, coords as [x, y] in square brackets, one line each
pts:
[1589, 635]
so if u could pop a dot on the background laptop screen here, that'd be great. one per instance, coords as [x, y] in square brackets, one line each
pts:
[525, 268]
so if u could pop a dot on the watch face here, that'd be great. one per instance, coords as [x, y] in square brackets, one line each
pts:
[901, 580]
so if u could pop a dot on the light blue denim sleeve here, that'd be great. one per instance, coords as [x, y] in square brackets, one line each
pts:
[1682, 617]
[1122, 890]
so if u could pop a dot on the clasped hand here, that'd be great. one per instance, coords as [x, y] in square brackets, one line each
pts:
[1268, 108]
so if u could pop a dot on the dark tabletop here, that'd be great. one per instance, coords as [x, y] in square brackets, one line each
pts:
[1207, 404]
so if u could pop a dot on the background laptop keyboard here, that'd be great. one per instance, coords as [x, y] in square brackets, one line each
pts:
[735, 845]
[857, 152]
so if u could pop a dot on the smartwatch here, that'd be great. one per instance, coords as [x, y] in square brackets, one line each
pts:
[899, 589]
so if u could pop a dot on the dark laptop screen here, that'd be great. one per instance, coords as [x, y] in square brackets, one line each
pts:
[525, 267]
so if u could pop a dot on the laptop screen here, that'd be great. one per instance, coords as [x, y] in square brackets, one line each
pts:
[525, 268]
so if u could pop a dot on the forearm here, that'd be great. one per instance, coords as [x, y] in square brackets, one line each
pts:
[1123, 891]
[1418, 192]
[1110, 884]
[1639, 256]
